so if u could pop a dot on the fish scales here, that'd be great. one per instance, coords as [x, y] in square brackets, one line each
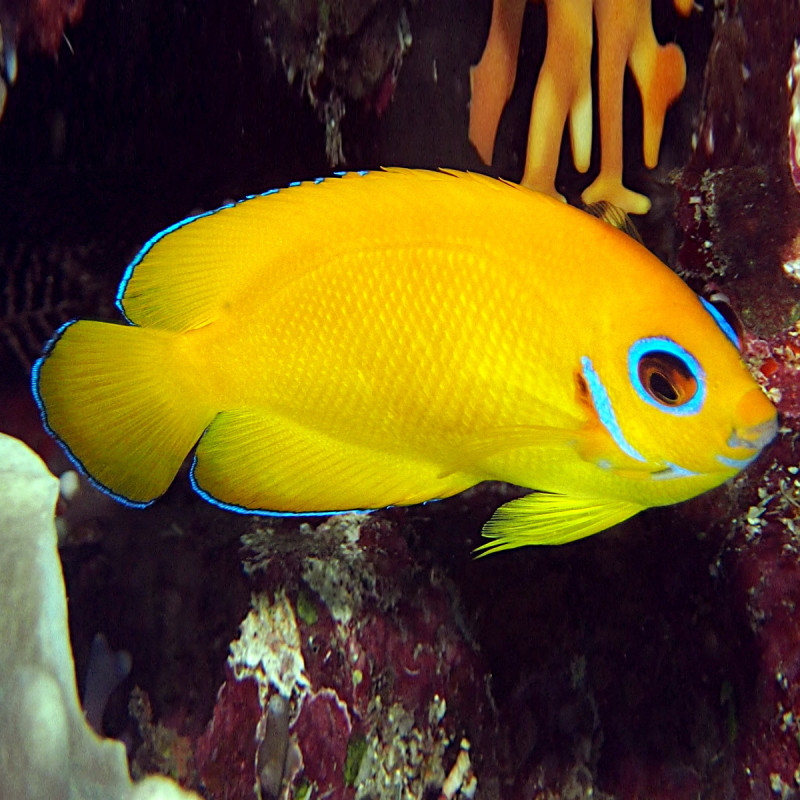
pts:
[323, 352]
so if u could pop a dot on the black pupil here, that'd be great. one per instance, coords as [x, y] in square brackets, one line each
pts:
[662, 388]
[667, 378]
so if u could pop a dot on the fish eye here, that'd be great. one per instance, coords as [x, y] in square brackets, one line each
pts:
[666, 379]
[666, 376]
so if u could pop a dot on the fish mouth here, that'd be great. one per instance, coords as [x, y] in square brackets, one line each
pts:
[753, 439]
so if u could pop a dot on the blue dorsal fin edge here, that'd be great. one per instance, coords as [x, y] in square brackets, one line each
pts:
[153, 240]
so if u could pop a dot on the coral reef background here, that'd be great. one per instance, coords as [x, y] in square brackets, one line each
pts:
[658, 660]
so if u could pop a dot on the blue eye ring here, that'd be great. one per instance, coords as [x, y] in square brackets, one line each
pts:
[667, 376]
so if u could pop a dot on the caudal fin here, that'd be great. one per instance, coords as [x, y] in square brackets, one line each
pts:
[108, 393]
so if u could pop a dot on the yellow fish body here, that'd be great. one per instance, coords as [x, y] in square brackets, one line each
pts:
[394, 337]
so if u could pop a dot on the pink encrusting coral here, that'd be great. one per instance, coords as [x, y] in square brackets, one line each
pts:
[739, 211]
[762, 560]
[46, 20]
[225, 753]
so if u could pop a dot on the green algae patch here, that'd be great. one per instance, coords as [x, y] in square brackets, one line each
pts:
[356, 748]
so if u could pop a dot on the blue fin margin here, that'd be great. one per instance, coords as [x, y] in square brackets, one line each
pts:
[76, 462]
[153, 240]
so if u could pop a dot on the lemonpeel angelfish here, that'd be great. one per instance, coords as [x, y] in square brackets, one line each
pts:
[394, 337]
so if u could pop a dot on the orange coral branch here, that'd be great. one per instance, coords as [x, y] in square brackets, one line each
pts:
[563, 89]
[625, 36]
[492, 78]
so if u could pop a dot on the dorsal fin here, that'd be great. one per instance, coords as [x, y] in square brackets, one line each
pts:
[185, 276]
[187, 273]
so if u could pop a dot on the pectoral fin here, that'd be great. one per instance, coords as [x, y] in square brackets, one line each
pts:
[478, 448]
[542, 518]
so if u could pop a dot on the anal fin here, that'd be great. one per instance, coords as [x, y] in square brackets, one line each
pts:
[253, 461]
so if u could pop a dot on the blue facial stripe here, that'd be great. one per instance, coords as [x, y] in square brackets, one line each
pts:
[659, 344]
[43, 413]
[723, 324]
[605, 410]
[736, 463]
[673, 471]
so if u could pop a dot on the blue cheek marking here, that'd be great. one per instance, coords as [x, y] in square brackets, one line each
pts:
[736, 463]
[722, 323]
[605, 410]
[673, 471]
[658, 344]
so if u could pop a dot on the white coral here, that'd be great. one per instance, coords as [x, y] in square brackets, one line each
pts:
[47, 750]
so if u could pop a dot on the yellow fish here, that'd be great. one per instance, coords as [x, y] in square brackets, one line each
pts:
[388, 338]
